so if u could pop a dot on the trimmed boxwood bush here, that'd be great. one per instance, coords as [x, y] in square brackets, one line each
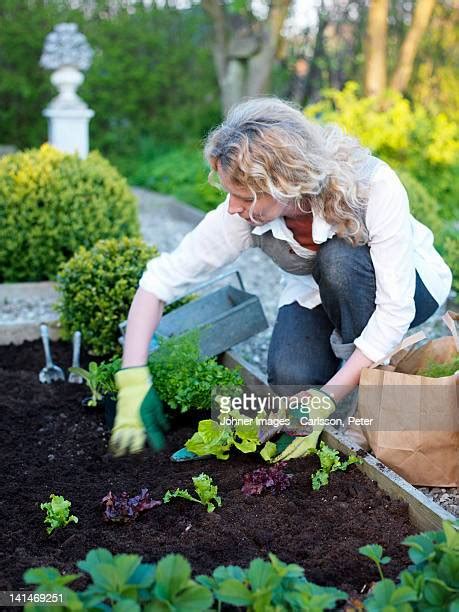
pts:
[96, 288]
[51, 203]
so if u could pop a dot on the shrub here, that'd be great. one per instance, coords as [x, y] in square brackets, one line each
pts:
[405, 135]
[96, 289]
[180, 172]
[52, 203]
[422, 205]
[451, 247]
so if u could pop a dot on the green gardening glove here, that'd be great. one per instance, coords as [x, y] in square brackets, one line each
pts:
[139, 413]
[300, 446]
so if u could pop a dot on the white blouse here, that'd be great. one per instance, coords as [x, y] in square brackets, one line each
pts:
[399, 245]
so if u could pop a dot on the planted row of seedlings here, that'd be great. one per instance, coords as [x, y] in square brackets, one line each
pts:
[124, 582]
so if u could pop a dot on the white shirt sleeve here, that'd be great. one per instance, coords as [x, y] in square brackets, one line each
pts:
[218, 240]
[391, 245]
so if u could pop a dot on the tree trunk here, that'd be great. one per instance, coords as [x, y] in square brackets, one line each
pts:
[376, 48]
[421, 18]
[244, 49]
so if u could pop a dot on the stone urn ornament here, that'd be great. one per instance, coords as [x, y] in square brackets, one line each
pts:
[67, 53]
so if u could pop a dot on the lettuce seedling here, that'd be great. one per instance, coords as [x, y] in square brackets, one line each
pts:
[123, 509]
[91, 377]
[267, 479]
[329, 462]
[205, 489]
[57, 513]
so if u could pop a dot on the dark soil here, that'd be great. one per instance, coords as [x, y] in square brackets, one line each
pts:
[51, 444]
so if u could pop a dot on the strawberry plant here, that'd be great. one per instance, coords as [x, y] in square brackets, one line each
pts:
[329, 462]
[272, 479]
[375, 553]
[91, 376]
[269, 585]
[123, 509]
[57, 513]
[206, 493]
[50, 580]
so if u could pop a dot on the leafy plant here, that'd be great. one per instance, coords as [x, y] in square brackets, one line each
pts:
[122, 508]
[269, 585]
[271, 478]
[329, 462]
[118, 579]
[206, 492]
[386, 595]
[105, 376]
[434, 574]
[91, 376]
[214, 438]
[57, 513]
[51, 204]
[183, 379]
[437, 370]
[50, 580]
[375, 553]
[175, 590]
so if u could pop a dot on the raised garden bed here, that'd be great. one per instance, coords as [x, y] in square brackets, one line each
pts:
[51, 444]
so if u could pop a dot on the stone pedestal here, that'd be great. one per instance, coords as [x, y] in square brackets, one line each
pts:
[67, 53]
[68, 129]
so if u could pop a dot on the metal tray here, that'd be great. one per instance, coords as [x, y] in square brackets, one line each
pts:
[223, 318]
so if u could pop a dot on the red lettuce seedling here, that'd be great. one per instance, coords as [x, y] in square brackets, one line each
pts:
[122, 508]
[272, 478]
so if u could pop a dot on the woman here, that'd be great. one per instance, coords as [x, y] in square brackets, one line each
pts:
[360, 270]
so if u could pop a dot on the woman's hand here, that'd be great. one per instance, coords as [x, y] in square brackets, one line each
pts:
[139, 413]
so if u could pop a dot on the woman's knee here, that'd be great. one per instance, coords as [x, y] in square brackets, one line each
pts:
[301, 374]
[338, 262]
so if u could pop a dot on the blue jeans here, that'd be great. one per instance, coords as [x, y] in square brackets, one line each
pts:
[300, 352]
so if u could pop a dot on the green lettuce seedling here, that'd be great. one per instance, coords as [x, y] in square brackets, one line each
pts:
[91, 376]
[205, 489]
[57, 513]
[329, 462]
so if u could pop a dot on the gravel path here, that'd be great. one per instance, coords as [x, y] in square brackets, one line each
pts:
[164, 222]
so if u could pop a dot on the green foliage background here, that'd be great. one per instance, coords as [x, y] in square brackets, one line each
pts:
[152, 74]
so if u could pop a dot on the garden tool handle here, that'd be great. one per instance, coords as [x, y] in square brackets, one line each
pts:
[448, 319]
[45, 339]
[76, 349]
[407, 342]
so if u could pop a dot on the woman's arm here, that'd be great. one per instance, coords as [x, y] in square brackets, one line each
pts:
[144, 316]
[348, 377]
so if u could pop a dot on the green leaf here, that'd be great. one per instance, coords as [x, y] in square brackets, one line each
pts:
[451, 530]
[421, 548]
[268, 451]
[172, 575]
[233, 592]
[193, 597]
[207, 491]
[126, 605]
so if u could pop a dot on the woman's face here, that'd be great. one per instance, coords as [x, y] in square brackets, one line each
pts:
[266, 209]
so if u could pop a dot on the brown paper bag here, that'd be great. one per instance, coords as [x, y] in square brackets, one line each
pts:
[413, 421]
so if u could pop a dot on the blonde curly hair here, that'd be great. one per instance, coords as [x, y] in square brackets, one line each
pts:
[267, 145]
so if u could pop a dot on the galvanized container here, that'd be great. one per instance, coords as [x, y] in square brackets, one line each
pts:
[223, 318]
